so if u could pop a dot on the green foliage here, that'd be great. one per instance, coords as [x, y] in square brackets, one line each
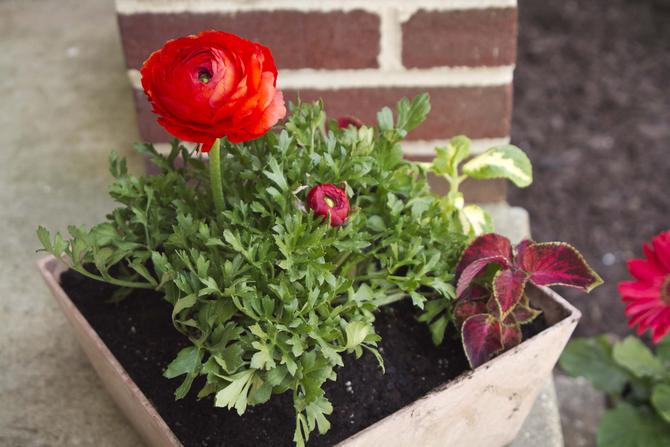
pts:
[631, 426]
[270, 297]
[506, 161]
[634, 377]
[592, 358]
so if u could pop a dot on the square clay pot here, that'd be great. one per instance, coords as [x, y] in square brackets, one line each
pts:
[483, 407]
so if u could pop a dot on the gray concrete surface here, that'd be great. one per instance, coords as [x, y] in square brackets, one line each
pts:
[65, 104]
[581, 408]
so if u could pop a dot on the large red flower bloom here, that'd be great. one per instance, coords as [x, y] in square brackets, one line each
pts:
[647, 298]
[213, 85]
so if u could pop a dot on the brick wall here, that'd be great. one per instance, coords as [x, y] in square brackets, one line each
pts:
[359, 55]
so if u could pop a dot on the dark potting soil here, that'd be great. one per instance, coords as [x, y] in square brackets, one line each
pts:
[139, 332]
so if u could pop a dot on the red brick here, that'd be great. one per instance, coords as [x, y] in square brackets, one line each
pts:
[477, 37]
[478, 112]
[329, 40]
[474, 191]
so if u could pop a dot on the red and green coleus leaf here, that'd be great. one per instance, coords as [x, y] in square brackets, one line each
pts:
[510, 336]
[524, 314]
[472, 302]
[556, 263]
[508, 288]
[479, 314]
[465, 309]
[489, 245]
[481, 335]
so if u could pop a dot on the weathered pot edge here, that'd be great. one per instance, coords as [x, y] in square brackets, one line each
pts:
[144, 417]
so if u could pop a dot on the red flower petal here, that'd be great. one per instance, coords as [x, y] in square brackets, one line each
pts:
[644, 270]
[661, 245]
[212, 85]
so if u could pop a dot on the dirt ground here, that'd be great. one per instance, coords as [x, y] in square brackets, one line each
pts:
[592, 109]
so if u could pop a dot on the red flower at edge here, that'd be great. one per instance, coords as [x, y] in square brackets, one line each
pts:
[328, 200]
[346, 121]
[212, 85]
[647, 299]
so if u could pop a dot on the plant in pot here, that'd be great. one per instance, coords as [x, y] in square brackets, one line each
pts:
[634, 378]
[285, 260]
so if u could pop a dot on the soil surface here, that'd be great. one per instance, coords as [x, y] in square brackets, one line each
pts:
[592, 108]
[140, 334]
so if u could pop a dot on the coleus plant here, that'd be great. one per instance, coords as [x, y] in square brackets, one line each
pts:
[492, 276]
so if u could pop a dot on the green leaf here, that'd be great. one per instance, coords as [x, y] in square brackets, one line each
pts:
[414, 112]
[629, 426]
[448, 158]
[660, 398]
[437, 329]
[475, 220]
[234, 395]
[356, 332]
[592, 358]
[663, 351]
[44, 237]
[276, 174]
[633, 355]
[385, 119]
[506, 161]
[187, 360]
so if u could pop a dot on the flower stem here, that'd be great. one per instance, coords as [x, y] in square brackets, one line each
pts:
[215, 175]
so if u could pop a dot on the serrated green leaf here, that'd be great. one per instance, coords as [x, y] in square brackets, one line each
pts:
[45, 238]
[187, 361]
[234, 395]
[414, 112]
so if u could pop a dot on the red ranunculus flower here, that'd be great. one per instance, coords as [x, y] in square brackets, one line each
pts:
[328, 200]
[647, 298]
[213, 85]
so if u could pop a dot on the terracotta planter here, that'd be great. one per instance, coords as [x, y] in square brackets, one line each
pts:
[484, 407]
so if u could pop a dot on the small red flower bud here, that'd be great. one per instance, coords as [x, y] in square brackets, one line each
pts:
[329, 201]
[346, 121]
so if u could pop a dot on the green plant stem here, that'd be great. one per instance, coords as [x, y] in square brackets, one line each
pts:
[215, 175]
[110, 280]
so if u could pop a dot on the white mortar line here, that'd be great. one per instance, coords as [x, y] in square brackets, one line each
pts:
[427, 147]
[232, 6]
[390, 40]
[416, 147]
[370, 78]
